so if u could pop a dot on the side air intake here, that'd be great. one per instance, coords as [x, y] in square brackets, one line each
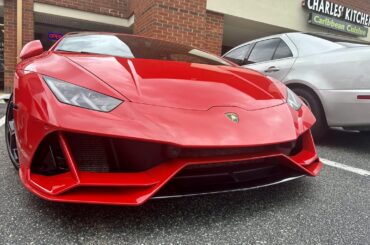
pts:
[49, 158]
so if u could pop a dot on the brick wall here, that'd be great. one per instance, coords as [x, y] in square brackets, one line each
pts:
[179, 21]
[10, 44]
[144, 11]
[10, 36]
[116, 8]
[214, 32]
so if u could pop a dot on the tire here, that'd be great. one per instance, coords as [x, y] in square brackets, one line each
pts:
[10, 137]
[312, 101]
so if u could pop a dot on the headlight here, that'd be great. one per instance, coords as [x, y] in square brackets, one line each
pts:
[82, 97]
[293, 100]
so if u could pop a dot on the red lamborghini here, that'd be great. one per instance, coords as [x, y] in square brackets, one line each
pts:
[119, 119]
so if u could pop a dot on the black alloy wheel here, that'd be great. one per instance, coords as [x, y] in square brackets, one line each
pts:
[10, 137]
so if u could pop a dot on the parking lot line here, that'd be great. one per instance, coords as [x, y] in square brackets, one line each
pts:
[345, 167]
[4, 97]
[2, 121]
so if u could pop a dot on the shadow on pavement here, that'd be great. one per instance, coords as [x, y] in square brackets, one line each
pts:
[340, 139]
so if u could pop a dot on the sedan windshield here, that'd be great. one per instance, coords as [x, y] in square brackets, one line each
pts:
[136, 47]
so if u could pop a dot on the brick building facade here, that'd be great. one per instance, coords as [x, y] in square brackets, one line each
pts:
[180, 21]
[205, 24]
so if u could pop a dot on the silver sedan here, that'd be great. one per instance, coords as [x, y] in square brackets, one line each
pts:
[331, 75]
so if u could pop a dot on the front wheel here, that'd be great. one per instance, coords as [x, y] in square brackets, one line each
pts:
[10, 137]
[321, 127]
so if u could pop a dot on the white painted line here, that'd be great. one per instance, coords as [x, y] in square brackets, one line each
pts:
[2, 121]
[4, 96]
[345, 167]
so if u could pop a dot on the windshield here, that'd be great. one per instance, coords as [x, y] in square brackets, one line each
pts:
[136, 47]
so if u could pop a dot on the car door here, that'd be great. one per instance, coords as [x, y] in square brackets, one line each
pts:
[273, 57]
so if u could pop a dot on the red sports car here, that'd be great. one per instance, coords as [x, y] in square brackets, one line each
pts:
[119, 119]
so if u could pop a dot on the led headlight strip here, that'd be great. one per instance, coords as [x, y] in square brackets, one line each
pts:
[82, 97]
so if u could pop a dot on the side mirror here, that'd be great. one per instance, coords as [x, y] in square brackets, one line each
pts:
[31, 49]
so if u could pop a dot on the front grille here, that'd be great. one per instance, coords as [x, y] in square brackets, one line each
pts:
[215, 177]
[103, 154]
[90, 153]
[285, 148]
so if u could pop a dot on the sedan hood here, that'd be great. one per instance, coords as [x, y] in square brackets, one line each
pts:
[182, 85]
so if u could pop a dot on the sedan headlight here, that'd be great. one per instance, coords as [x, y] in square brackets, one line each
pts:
[293, 100]
[82, 97]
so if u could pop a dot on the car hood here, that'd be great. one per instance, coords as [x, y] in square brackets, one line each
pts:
[182, 85]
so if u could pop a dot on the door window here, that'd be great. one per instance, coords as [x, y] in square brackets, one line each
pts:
[238, 55]
[264, 50]
[282, 51]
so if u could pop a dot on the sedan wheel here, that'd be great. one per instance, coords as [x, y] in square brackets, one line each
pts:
[313, 103]
[10, 137]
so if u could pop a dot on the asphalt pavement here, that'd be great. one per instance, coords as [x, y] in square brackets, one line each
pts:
[333, 208]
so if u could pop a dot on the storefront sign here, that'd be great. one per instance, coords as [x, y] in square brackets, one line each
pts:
[338, 11]
[338, 25]
[54, 36]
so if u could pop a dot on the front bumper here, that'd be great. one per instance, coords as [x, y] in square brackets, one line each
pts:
[134, 188]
